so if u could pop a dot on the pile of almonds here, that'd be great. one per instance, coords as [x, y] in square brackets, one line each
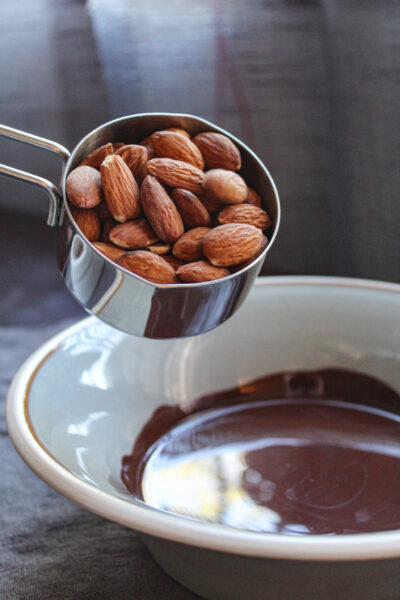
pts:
[170, 209]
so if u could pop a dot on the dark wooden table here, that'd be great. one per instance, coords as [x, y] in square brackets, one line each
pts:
[311, 85]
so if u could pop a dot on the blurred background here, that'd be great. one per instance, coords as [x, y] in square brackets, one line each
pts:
[311, 85]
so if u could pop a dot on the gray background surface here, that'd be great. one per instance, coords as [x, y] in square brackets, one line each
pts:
[311, 85]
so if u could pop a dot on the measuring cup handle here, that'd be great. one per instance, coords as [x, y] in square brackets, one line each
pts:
[49, 187]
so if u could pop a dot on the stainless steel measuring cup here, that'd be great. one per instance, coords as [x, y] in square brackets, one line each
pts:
[117, 296]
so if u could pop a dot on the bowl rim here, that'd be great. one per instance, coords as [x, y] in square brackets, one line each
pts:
[175, 528]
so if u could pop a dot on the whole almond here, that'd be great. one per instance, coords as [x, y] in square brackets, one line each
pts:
[109, 250]
[160, 211]
[96, 157]
[120, 189]
[196, 272]
[106, 228]
[189, 245]
[133, 234]
[160, 248]
[83, 187]
[149, 266]
[231, 244]
[170, 144]
[192, 210]
[225, 186]
[244, 213]
[218, 151]
[136, 158]
[88, 222]
[240, 266]
[173, 261]
[253, 198]
[177, 174]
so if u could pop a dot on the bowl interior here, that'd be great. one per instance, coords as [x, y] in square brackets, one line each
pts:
[92, 395]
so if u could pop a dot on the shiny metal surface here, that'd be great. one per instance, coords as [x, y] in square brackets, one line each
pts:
[126, 301]
[51, 190]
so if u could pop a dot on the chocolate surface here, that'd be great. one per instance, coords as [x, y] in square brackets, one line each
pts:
[295, 453]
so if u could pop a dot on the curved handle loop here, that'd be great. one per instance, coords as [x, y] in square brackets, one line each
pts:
[49, 187]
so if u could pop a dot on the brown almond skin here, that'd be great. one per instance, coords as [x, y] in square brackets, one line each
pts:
[173, 261]
[120, 189]
[228, 245]
[212, 205]
[88, 222]
[160, 248]
[189, 246]
[253, 198]
[160, 211]
[117, 145]
[106, 228]
[177, 174]
[109, 250]
[244, 213]
[83, 187]
[148, 140]
[96, 157]
[191, 209]
[103, 212]
[135, 157]
[149, 266]
[218, 151]
[225, 186]
[133, 235]
[240, 266]
[199, 271]
[170, 144]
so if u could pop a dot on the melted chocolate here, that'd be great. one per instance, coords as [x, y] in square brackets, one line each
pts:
[297, 453]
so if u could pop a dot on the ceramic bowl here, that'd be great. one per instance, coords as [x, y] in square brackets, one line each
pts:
[77, 403]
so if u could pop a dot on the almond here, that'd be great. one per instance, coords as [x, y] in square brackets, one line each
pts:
[192, 210]
[189, 245]
[136, 159]
[120, 189]
[148, 140]
[253, 198]
[218, 151]
[102, 212]
[96, 157]
[83, 187]
[177, 174]
[174, 262]
[117, 145]
[196, 272]
[231, 244]
[109, 250]
[88, 222]
[170, 144]
[160, 248]
[244, 213]
[225, 186]
[240, 266]
[150, 151]
[211, 204]
[160, 211]
[133, 234]
[107, 226]
[149, 266]
[179, 130]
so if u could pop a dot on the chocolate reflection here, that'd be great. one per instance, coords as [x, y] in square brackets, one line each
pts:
[294, 453]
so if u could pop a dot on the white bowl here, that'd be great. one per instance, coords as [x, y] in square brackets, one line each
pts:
[76, 405]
